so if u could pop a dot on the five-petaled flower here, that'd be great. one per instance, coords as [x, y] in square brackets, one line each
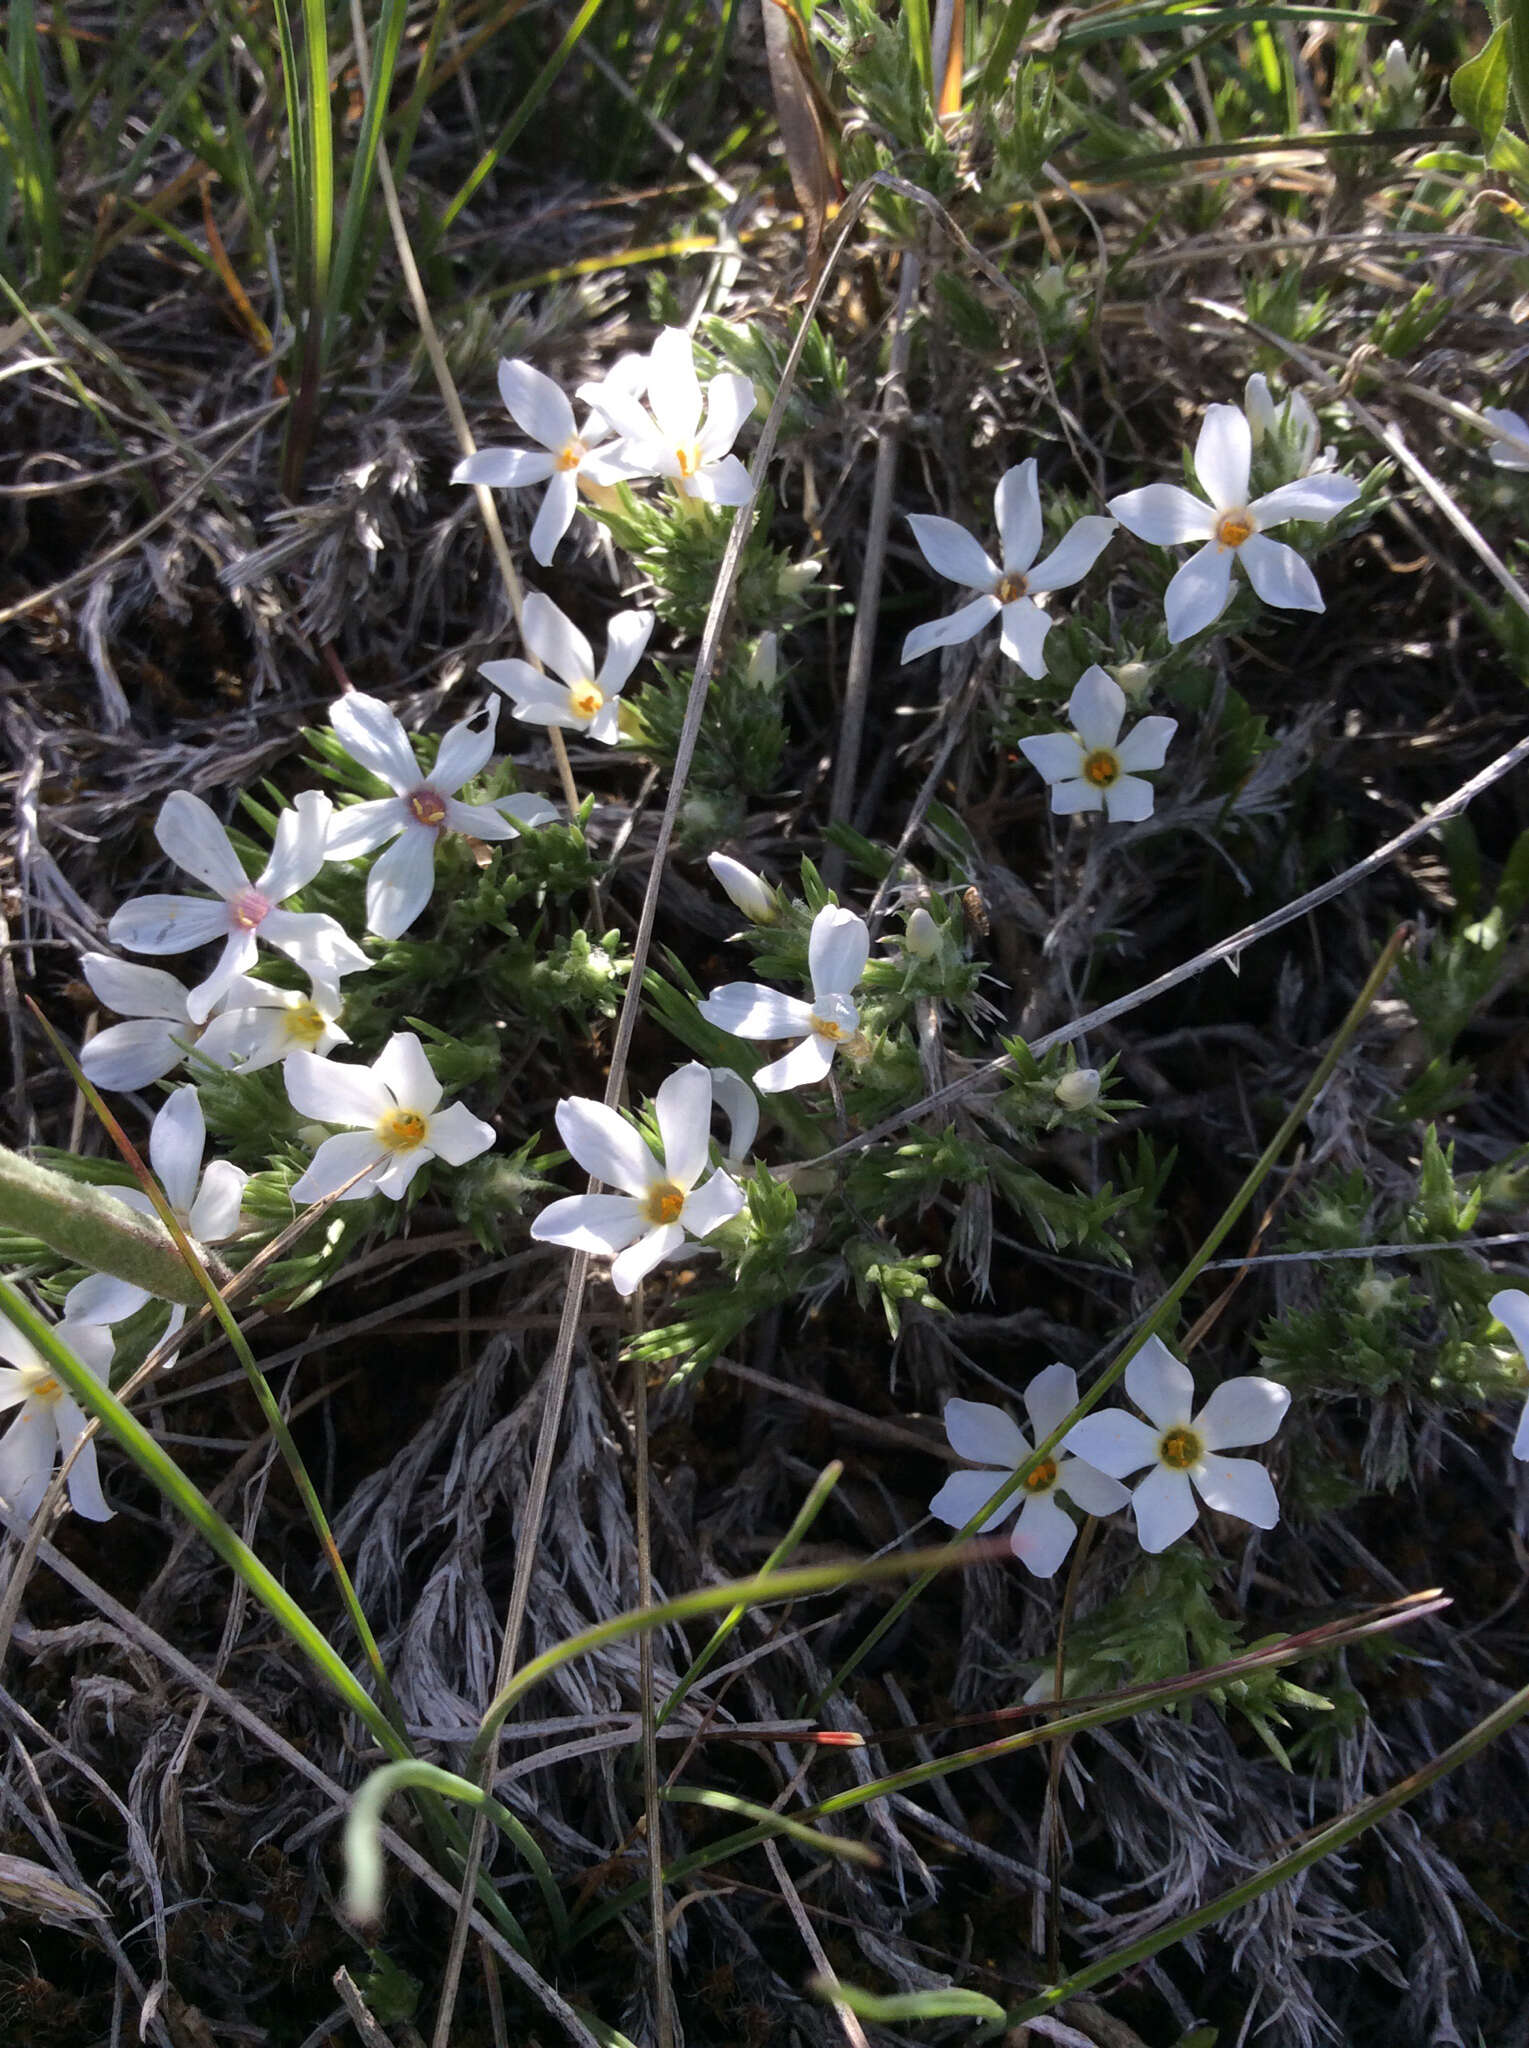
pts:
[1183, 1448]
[664, 1204]
[153, 1040]
[1231, 528]
[984, 1434]
[1008, 593]
[393, 1116]
[242, 912]
[566, 453]
[837, 950]
[582, 700]
[667, 439]
[1511, 449]
[1511, 1308]
[1091, 768]
[421, 808]
[48, 1420]
[260, 1024]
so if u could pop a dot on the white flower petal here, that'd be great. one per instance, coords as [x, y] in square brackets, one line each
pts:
[1164, 1506]
[1279, 575]
[371, 735]
[132, 990]
[1017, 509]
[1074, 554]
[297, 852]
[1057, 755]
[103, 1298]
[1043, 1535]
[724, 482]
[1094, 1491]
[1314, 498]
[965, 1494]
[535, 403]
[1512, 451]
[1521, 1434]
[1198, 593]
[168, 924]
[408, 1076]
[730, 399]
[1069, 798]
[361, 828]
[604, 1224]
[27, 1453]
[619, 406]
[131, 1055]
[631, 1267]
[1112, 1441]
[317, 942]
[456, 1135]
[538, 699]
[1237, 1486]
[1128, 800]
[555, 514]
[740, 1105]
[626, 640]
[1023, 639]
[398, 1170]
[1242, 1411]
[1161, 1385]
[674, 390]
[1224, 456]
[1050, 1398]
[215, 1212]
[1164, 514]
[606, 1145]
[464, 751]
[804, 1065]
[951, 552]
[528, 813]
[985, 1434]
[176, 1143]
[1146, 744]
[838, 947]
[191, 834]
[711, 1205]
[247, 1039]
[480, 821]
[556, 640]
[1511, 1309]
[951, 631]
[683, 1109]
[334, 1163]
[749, 1010]
[329, 1092]
[504, 469]
[237, 957]
[85, 1495]
[1097, 708]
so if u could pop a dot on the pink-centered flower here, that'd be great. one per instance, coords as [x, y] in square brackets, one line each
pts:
[421, 808]
[1092, 768]
[837, 950]
[1230, 527]
[682, 434]
[1008, 593]
[241, 912]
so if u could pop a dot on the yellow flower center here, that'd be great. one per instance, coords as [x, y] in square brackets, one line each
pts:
[1233, 528]
[585, 699]
[401, 1130]
[826, 1028]
[1101, 768]
[248, 909]
[663, 1202]
[571, 456]
[305, 1024]
[1011, 588]
[1042, 1479]
[1179, 1448]
[427, 806]
[38, 1384]
[689, 459]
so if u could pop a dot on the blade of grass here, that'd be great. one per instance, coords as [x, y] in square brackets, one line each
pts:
[363, 165]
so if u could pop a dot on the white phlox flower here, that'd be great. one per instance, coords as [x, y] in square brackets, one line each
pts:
[1230, 527]
[574, 695]
[1288, 420]
[1184, 1449]
[1008, 593]
[205, 1205]
[667, 437]
[48, 1421]
[664, 1204]
[393, 1116]
[564, 453]
[745, 890]
[260, 1024]
[241, 912]
[837, 950]
[1511, 1308]
[1511, 449]
[1092, 768]
[152, 1042]
[984, 1434]
[421, 808]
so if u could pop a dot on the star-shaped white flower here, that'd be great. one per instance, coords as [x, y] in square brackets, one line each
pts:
[1511, 449]
[566, 452]
[48, 1421]
[1511, 1308]
[837, 950]
[394, 1119]
[1009, 592]
[1091, 768]
[242, 912]
[573, 695]
[664, 1203]
[206, 1207]
[667, 438]
[152, 1042]
[1231, 528]
[1184, 1449]
[261, 1024]
[421, 808]
[1044, 1532]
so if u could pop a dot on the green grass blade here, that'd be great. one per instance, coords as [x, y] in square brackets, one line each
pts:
[363, 168]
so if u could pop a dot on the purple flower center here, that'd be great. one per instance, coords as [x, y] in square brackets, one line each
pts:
[248, 909]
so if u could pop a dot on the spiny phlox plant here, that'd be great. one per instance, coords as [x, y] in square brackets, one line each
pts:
[371, 1127]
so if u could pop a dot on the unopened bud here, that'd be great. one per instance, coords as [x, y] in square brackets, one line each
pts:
[797, 577]
[1397, 70]
[1258, 404]
[1078, 1089]
[1050, 286]
[922, 938]
[762, 663]
[1134, 677]
[754, 897]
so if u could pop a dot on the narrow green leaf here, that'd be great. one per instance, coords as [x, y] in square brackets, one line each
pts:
[1478, 90]
[908, 2005]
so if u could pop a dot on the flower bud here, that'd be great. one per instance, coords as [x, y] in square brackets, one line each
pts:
[1049, 285]
[922, 938]
[1397, 70]
[1134, 677]
[796, 577]
[762, 663]
[1258, 404]
[754, 897]
[1078, 1089]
